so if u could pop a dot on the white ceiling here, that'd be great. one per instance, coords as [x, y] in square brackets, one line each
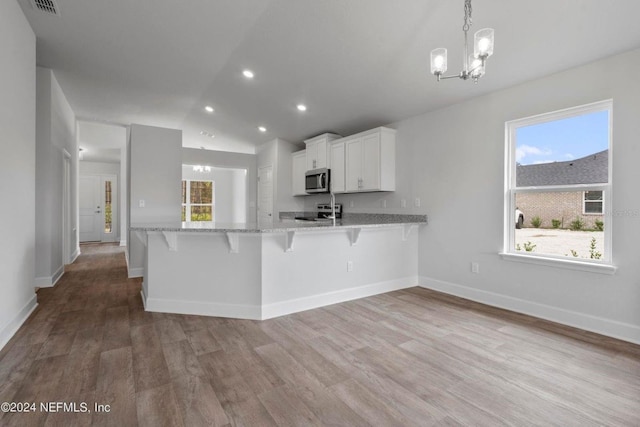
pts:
[356, 64]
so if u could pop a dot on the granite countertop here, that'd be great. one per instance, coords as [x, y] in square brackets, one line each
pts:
[286, 223]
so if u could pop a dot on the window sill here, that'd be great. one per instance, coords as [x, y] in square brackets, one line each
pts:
[589, 267]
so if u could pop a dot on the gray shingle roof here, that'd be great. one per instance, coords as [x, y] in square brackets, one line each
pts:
[590, 169]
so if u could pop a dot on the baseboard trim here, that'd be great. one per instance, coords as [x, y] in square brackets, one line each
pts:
[307, 303]
[49, 281]
[135, 272]
[10, 329]
[75, 255]
[123, 242]
[237, 311]
[268, 311]
[132, 273]
[599, 325]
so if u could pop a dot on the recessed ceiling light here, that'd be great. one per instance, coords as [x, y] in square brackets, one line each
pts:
[248, 74]
[209, 109]
[205, 133]
[302, 107]
[262, 128]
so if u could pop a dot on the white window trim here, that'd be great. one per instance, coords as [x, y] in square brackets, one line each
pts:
[584, 203]
[188, 204]
[509, 253]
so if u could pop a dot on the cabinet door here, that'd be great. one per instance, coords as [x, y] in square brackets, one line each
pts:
[299, 167]
[321, 154]
[353, 165]
[370, 163]
[312, 155]
[337, 166]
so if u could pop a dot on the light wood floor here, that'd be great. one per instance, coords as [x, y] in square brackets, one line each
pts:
[412, 357]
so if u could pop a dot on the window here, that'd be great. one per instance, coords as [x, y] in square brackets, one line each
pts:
[558, 184]
[593, 202]
[197, 201]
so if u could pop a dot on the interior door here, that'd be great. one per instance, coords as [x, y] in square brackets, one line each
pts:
[90, 208]
[265, 193]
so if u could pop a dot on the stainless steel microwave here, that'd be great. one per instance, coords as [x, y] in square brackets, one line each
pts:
[317, 181]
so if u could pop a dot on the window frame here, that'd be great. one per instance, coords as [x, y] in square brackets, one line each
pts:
[509, 253]
[187, 206]
[585, 202]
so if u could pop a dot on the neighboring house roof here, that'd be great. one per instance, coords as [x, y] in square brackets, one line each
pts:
[586, 170]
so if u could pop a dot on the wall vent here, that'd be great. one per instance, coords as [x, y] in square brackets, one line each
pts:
[46, 6]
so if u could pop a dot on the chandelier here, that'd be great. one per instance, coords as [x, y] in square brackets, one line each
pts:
[473, 66]
[199, 168]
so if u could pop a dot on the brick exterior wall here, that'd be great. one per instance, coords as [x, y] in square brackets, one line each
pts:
[564, 206]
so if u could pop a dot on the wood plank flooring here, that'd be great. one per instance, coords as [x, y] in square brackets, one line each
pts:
[406, 358]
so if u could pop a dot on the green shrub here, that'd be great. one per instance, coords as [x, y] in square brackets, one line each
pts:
[529, 247]
[555, 223]
[536, 222]
[592, 250]
[518, 248]
[599, 225]
[577, 224]
[574, 253]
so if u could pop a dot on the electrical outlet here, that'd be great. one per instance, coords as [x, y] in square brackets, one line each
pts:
[417, 202]
[475, 267]
[351, 203]
[141, 203]
[403, 203]
[349, 266]
[384, 203]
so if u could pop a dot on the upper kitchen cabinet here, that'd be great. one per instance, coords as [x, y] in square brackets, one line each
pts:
[337, 166]
[318, 150]
[370, 161]
[299, 165]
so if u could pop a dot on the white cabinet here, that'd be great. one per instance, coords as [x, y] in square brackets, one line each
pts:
[370, 161]
[318, 150]
[299, 165]
[337, 166]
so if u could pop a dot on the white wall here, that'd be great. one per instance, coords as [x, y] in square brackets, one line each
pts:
[229, 191]
[457, 167]
[17, 168]
[55, 133]
[155, 177]
[224, 159]
[103, 136]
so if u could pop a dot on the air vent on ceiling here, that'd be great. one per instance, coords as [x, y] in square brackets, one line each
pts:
[46, 6]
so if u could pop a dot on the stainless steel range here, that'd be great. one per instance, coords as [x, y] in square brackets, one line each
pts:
[324, 213]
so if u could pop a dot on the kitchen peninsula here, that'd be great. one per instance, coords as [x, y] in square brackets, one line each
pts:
[265, 270]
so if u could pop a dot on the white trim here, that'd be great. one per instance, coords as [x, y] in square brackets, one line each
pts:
[307, 303]
[132, 272]
[49, 281]
[10, 329]
[268, 311]
[510, 188]
[599, 325]
[144, 298]
[123, 242]
[570, 264]
[135, 272]
[198, 308]
[75, 255]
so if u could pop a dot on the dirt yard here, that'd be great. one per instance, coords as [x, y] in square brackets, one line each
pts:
[560, 242]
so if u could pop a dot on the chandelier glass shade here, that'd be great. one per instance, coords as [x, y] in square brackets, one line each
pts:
[473, 65]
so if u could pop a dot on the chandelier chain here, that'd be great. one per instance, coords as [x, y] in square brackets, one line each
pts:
[468, 21]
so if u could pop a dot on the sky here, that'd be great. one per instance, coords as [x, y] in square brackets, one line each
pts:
[562, 140]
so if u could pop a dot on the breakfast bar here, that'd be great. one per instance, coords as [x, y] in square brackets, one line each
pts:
[265, 270]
